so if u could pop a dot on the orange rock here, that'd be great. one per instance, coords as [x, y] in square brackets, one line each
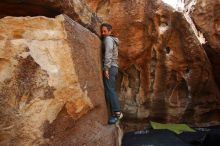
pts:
[165, 74]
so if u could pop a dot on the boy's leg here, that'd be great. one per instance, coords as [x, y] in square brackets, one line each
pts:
[110, 89]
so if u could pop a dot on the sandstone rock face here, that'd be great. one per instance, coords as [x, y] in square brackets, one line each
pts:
[51, 88]
[206, 16]
[76, 9]
[165, 73]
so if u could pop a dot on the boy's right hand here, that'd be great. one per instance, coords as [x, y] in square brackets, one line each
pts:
[106, 74]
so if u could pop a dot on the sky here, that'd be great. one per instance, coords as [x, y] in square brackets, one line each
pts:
[171, 2]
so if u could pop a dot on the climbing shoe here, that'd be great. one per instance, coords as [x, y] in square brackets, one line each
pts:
[112, 120]
[119, 116]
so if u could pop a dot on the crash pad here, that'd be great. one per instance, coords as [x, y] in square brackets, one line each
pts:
[177, 128]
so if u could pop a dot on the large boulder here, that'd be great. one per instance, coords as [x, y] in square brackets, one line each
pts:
[51, 89]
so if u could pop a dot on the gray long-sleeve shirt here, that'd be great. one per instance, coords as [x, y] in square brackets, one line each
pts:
[110, 58]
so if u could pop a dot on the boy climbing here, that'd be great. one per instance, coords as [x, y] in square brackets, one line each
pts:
[110, 70]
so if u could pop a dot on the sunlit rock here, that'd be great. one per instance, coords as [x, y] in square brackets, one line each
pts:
[44, 79]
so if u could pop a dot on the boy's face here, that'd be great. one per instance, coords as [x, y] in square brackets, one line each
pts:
[105, 32]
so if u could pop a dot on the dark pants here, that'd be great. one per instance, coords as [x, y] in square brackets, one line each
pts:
[110, 91]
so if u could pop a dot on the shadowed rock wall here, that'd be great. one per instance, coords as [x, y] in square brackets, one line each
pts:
[165, 73]
[206, 16]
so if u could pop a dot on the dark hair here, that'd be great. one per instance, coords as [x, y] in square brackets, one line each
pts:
[107, 25]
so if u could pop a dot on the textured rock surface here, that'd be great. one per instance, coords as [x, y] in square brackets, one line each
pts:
[206, 16]
[76, 9]
[49, 78]
[165, 73]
